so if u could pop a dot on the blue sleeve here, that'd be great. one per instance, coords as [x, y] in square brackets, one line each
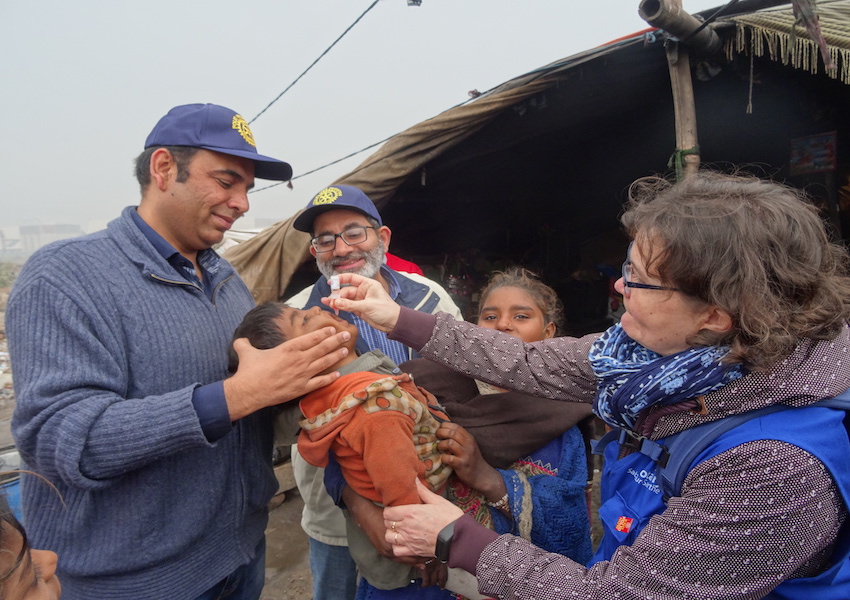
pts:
[555, 502]
[211, 406]
[334, 481]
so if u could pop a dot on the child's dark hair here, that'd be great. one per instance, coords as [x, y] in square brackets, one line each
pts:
[258, 325]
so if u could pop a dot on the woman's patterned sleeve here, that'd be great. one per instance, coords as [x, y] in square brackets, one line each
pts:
[556, 368]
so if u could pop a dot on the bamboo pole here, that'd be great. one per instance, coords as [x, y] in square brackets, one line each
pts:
[687, 156]
[669, 14]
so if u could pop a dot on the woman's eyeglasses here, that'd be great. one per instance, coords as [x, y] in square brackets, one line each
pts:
[628, 269]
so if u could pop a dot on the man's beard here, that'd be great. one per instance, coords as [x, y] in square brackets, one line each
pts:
[373, 261]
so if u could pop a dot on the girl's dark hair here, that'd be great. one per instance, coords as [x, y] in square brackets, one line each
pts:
[545, 297]
[259, 326]
[756, 249]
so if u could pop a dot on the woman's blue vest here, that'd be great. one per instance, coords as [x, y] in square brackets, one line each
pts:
[632, 489]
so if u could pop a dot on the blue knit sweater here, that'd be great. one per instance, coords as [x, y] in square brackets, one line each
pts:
[107, 343]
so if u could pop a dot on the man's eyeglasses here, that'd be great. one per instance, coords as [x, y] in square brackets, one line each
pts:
[351, 236]
[627, 274]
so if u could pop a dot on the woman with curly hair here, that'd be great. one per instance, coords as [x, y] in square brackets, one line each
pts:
[735, 300]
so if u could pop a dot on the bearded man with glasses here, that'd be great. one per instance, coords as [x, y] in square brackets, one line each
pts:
[350, 237]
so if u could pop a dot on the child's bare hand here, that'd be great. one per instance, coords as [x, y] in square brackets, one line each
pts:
[461, 453]
[434, 572]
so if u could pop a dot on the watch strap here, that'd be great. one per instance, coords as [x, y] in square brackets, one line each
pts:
[444, 542]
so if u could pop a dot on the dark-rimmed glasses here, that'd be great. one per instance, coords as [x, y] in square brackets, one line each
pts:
[351, 236]
[627, 273]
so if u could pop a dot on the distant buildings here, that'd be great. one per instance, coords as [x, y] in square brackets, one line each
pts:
[34, 237]
[18, 243]
[11, 248]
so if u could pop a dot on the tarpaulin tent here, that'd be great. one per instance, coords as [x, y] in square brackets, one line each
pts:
[536, 170]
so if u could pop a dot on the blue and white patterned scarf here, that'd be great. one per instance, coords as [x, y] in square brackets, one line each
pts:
[632, 378]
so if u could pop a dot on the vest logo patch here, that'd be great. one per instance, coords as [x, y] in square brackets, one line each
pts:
[241, 125]
[624, 524]
[647, 478]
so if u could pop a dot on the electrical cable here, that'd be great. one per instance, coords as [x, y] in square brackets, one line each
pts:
[317, 169]
[314, 62]
[539, 72]
[710, 20]
[339, 160]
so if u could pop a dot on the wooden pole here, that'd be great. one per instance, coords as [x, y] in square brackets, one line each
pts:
[669, 16]
[684, 110]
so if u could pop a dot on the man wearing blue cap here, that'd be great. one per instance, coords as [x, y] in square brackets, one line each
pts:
[350, 237]
[119, 343]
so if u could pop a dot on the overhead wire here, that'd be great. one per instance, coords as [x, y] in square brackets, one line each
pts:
[325, 166]
[370, 146]
[371, 6]
[713, 17]
[339, 160]
[548, 68]
[710, 19]
[541, 71]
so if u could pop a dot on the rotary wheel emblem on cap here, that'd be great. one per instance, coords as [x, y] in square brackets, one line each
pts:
[241, 125]
[327, 196]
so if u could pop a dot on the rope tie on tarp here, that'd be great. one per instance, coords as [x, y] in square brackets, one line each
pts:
[677, 161]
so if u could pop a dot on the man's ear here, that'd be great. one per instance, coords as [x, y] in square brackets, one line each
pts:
[385, 234]
[312, 251]
[163, 168]
[717, 320]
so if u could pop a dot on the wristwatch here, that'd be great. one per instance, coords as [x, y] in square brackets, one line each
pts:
[444, 542]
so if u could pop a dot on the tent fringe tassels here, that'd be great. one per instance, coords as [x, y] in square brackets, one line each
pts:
[802, 54]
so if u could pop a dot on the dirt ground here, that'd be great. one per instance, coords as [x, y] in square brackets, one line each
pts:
[287, 553]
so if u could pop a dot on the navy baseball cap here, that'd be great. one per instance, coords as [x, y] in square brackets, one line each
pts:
[336, 196]
[219, 129]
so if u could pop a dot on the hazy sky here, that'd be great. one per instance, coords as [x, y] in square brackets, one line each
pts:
[85, 81]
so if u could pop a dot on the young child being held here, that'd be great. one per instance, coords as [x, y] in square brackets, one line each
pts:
[380, 426]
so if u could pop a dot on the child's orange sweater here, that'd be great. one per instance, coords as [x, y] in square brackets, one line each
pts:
[382, 432]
